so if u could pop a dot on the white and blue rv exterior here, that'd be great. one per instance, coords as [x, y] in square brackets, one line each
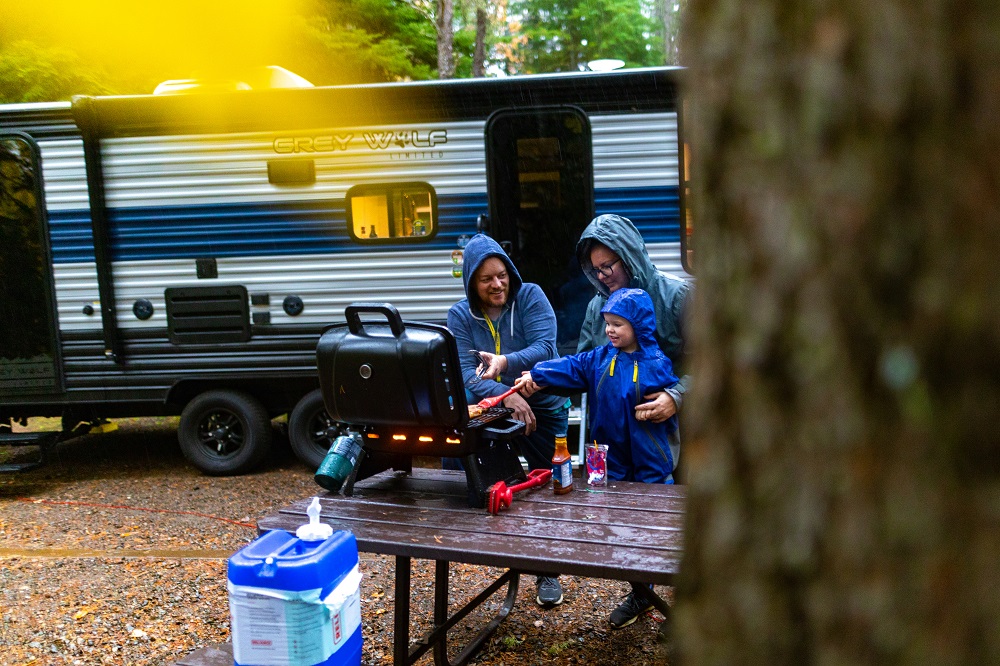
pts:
[184, 252]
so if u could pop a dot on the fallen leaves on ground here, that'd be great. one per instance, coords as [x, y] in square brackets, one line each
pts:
[72, 607]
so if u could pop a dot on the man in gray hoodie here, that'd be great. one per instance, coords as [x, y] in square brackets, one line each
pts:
[513, 322]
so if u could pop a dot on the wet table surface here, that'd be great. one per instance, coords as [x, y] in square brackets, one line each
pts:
[626, 531]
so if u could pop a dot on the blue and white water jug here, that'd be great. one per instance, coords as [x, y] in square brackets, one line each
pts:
[295, 600]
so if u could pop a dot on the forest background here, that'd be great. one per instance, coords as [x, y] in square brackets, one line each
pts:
[53, 49]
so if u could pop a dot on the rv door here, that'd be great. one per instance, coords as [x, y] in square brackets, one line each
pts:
[29, 355]
[540, 183]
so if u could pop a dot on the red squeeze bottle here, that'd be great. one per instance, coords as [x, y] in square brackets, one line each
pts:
[562, 467]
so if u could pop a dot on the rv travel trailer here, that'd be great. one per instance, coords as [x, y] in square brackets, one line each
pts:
[181, 254]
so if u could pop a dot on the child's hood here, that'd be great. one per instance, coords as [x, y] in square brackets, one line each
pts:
[636, 307]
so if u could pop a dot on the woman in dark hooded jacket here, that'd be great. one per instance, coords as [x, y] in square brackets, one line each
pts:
[613, 255]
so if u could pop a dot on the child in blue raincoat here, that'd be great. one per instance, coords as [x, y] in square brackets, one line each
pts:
[616, 377]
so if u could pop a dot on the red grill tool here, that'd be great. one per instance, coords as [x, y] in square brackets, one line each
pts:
[486, 403]
[499, 496]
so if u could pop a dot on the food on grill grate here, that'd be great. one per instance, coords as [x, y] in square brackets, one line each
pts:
[475, 410]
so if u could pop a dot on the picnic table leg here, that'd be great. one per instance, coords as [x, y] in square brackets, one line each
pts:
[647, 593]
[442, 623]
[401, 615]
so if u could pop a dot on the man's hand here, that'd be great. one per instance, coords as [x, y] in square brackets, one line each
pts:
[660, 408]
[495, 365]
[522, 412]
[526, 386]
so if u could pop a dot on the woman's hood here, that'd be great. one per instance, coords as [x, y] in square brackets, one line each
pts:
[621, 237]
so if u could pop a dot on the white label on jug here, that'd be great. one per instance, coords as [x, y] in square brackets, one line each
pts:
[347, 620]
[345, 604]
[283, 628]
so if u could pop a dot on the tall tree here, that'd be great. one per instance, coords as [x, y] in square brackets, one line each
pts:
[478, 28]
[479, 54]
[445, 38]
[842, 445]
[668, 14]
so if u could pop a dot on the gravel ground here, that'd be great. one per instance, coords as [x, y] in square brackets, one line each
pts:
[115, 553]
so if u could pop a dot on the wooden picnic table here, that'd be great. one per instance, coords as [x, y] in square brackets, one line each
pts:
[626, 531]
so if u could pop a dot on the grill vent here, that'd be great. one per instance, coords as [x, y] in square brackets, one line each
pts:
[199, 315]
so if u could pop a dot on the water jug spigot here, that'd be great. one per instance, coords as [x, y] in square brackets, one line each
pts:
[314, 530]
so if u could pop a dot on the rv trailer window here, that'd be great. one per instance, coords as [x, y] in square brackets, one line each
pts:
[392, 213]
[539, 164]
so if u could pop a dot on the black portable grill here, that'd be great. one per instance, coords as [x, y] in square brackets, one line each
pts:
[399, 384]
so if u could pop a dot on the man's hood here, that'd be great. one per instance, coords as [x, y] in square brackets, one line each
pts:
[636, 307]
[478, 250]
[621, 237]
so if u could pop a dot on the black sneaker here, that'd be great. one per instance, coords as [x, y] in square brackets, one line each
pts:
[628, 611]
[549, 592]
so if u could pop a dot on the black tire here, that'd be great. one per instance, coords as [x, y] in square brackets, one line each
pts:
[225, 433]
[311, 430]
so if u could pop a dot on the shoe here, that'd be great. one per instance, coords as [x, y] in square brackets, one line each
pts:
[549, 591]
[628, 611]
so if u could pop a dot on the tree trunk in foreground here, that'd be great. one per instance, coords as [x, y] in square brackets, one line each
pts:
[841, 441]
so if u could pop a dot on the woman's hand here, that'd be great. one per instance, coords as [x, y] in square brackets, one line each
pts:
[493, 365]
[659, 408]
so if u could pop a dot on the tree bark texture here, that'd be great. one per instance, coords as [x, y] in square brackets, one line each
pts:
[445, 39]
[479, 54]
[841, 438]
[669, 18]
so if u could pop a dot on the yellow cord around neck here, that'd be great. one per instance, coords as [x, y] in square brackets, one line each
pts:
[496, 336]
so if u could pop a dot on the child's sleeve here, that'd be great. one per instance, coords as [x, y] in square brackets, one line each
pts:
[662, 377]
[567, 373]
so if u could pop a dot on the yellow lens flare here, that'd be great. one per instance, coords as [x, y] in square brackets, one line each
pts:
[164, 40]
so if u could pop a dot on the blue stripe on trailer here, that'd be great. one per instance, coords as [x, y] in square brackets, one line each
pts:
[647, 208]
[71, 235]
[312, 227]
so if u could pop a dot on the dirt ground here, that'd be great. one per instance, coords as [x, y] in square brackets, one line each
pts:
[115, 553]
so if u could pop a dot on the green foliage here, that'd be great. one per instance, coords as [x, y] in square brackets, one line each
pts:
[557, 648]
[333, 42]
[366, 40]
[495, 45]
[563, 35]
[32, 73]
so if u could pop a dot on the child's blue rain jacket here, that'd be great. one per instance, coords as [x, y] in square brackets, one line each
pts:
[616, 382]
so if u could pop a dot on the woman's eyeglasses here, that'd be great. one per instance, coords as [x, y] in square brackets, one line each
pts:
[606, 270]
